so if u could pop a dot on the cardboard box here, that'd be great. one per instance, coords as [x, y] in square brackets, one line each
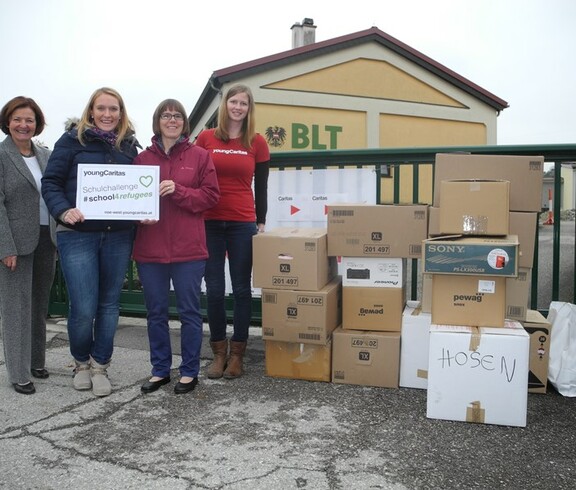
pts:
[298, 361]
[292, 258]
[414, 346]
[478, 374]
[539, 330]
[525, 174]
[433, 221]
[365, 358]
[376, 272]
[474, 207]
[378, 309]
[364, 230]
[489, 256]
[518, 294]
[426, 303]
[478, 301]
[309, 317]
[524, 226]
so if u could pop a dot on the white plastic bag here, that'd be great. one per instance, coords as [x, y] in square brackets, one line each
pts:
[562, 364]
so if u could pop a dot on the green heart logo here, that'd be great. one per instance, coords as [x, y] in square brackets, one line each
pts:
[146, 180]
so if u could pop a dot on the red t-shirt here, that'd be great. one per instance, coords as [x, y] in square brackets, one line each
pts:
[235, 166]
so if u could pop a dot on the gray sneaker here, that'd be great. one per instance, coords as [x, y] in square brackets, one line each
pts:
[82, 380]
[100, 383]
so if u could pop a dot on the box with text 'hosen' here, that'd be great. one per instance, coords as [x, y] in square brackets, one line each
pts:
[478, 374]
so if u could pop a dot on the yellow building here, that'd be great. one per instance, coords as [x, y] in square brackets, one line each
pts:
[362, 90]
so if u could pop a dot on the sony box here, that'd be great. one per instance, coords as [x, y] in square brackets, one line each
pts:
[365, 358]
[302, 316]
[478, 374]
[298, 361]
[379, 230]
[292, 258]
[489, 256]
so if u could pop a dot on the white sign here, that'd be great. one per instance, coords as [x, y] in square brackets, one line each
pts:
[118, 191]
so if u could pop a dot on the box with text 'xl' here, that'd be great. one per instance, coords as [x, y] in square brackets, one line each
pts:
[292, 258]
[379, 230]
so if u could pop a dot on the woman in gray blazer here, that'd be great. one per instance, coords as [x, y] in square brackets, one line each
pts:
[27, 250]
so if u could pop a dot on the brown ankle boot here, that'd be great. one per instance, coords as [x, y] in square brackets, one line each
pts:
[235, 367]
[220, 350]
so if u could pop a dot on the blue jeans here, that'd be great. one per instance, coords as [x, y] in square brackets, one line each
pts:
[232, 238]
[187, 280]
[94, 267]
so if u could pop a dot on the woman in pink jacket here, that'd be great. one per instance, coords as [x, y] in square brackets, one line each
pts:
[174, 247]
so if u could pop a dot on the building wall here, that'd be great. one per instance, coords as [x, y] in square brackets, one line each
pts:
[365, 96]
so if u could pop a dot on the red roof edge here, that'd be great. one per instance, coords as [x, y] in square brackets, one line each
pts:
[367, 35]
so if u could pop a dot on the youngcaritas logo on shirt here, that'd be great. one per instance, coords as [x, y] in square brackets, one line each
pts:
[231, 152]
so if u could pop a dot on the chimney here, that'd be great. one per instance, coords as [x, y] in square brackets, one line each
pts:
[303, 34]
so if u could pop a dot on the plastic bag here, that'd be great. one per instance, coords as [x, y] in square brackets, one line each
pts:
[562, 364]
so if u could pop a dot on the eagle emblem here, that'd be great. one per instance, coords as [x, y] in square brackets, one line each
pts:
[275, 136]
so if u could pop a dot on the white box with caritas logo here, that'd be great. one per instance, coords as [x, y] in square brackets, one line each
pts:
[374, 272]
[469, 300]
[378, 309]
[414, 347]
[478, 374]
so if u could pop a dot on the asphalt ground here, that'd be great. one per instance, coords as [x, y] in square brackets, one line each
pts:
[259, 432]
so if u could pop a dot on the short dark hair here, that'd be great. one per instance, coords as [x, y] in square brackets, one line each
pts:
[174, 105]
[21, 102]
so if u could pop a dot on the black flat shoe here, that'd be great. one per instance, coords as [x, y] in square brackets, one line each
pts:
[27, 389]
[40, 373]
[181, 388]
[151, 386]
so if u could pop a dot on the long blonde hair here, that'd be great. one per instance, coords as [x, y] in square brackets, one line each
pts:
[248, 125]
[125, 126]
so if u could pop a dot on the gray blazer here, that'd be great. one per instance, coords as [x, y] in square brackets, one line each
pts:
[19, 209]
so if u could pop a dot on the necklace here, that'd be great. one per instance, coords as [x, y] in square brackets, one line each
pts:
[28, 155]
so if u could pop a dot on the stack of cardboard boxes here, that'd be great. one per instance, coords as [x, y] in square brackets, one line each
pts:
[373, 243]
[301, 301]
[471, 341]
[475, 288]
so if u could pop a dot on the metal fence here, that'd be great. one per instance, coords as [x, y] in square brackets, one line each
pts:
[388, 164]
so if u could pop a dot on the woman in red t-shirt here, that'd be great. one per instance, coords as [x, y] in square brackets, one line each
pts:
[241, 156]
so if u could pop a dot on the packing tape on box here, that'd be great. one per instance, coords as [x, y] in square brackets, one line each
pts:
[475, 338]
[475, 413]
[422, 373]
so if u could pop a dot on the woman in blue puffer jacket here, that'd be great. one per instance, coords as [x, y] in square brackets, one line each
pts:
[94, 254]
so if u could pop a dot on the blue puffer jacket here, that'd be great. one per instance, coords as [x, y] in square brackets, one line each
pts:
[60, 178]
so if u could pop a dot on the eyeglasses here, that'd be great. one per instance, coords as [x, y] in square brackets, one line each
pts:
[166, 116]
